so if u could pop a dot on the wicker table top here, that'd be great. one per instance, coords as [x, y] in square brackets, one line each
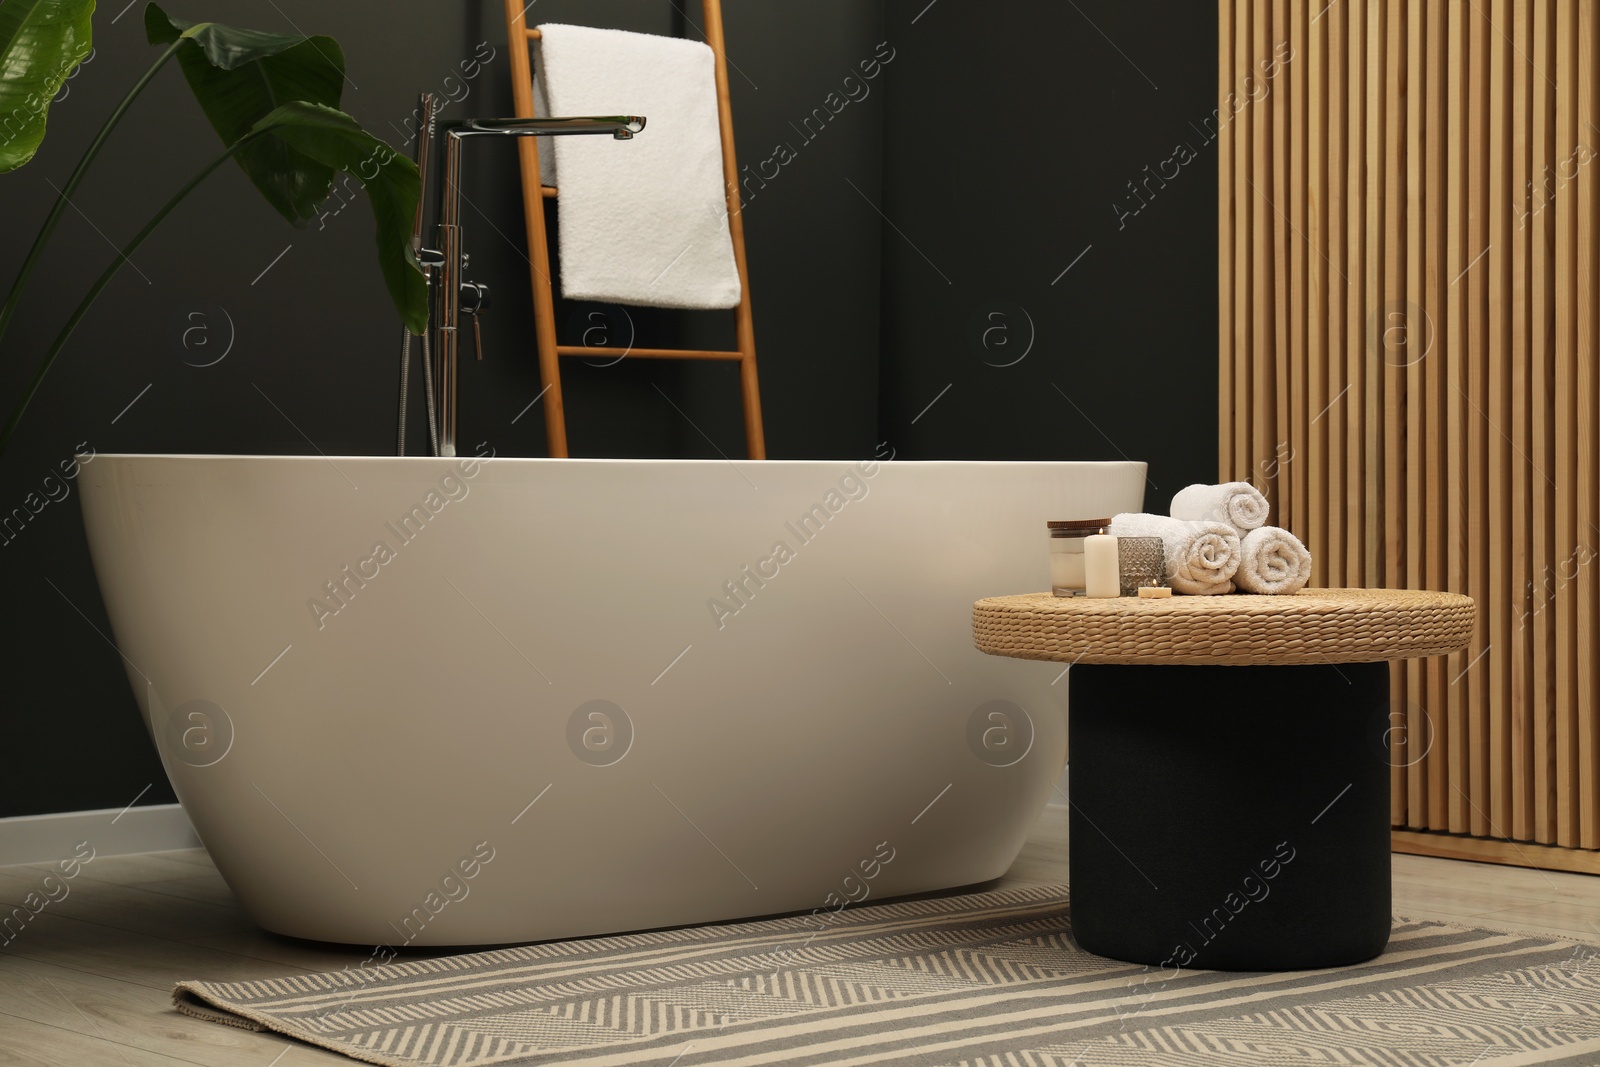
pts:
[1311, 626]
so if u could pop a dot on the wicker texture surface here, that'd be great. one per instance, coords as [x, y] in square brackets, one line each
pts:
[1311, 626]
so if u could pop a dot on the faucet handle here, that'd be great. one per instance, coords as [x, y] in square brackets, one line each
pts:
[474, 301]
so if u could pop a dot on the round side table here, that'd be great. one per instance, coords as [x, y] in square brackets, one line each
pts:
[1230, 765]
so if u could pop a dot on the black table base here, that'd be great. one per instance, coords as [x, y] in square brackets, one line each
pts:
[1234, 818]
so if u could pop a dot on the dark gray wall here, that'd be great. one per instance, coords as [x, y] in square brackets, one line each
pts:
[994, 144]
[1012, 133]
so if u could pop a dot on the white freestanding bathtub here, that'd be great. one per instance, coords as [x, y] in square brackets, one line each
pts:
[451, 702]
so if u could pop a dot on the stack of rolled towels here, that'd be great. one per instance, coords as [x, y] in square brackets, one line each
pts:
[1216, 540]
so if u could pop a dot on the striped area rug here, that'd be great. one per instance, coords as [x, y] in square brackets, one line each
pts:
[993, 978]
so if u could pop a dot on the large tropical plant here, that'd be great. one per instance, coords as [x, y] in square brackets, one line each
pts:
[272, 99]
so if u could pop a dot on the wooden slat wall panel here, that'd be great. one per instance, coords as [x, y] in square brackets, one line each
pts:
[1557, 755]
[1497, 260]
[1587, 487]
[1408, 461]
[1357, 340]
[1314, 435]
[1477, 282]
[1329, 565]
[1405, 336]
[1226, 224]
[1386, 430]
[1293, 387]
[1409, 254]
[1262, 396]
[1566, 430]
[1539, 622]
[1281, 223]
[1519, 652]
[1236, 102]
[1433, 477]
[1453, 347]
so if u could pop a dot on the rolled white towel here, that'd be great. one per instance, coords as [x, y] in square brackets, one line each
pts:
[1239, 504]
[1201, 556]
[1273, 561]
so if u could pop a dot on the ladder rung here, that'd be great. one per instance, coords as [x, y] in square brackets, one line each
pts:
[547, 191]
[532, 34]
[649, 353]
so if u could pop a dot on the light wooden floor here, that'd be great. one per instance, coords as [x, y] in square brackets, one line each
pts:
[88, 980]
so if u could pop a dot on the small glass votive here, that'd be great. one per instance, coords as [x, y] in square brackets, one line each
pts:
[1140, 561]
[1066, 553]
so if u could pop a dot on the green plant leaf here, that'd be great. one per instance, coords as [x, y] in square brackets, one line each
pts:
[337, 141]
[239, 77]
[41, 41]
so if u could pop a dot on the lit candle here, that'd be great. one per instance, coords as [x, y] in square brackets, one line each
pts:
[1100, 572]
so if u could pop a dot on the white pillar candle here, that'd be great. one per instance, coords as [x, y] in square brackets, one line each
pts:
[1100, 575]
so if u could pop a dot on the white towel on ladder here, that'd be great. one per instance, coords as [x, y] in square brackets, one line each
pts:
[643, 221]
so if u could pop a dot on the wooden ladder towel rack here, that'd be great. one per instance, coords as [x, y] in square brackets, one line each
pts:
[535, 193]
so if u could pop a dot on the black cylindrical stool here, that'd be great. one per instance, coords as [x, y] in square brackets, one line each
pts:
[1230, 768]
[1232, 818]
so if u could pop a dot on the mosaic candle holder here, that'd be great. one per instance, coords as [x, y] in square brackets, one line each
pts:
[1140, 561]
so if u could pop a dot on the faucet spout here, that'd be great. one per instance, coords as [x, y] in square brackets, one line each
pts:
[450, 260]
[621, 127]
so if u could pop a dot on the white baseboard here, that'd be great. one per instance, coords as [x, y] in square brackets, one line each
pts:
[111, 831]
